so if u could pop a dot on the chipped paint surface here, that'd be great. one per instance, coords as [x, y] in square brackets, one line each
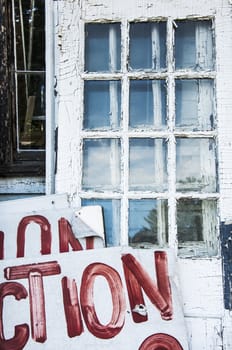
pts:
[208, 323]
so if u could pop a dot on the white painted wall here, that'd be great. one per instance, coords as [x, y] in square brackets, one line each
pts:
[209, 325]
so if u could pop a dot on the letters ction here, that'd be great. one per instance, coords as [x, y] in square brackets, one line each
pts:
[136, 279]
[80, 309]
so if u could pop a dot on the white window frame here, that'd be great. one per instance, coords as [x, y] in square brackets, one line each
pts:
[170, 134]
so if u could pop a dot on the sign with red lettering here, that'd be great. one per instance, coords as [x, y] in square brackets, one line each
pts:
[109, 298]
[57, 292]
[48, 225]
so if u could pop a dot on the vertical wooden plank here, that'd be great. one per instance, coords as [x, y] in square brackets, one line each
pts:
[5, 121]
[226, 248]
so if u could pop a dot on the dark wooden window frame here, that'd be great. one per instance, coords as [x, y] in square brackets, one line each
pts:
[12, 161]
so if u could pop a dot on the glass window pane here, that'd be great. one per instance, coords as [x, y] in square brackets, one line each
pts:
[147, 105]
[101, 164]
[194, 45]
[102, 47]
[102, 104]
[195, 104]
[196, 164]
[148, 221]
[111, 216]
[147, 48]
[189, 220]
[196, 221]
[147, 164]
[30, 34]
[31, 110]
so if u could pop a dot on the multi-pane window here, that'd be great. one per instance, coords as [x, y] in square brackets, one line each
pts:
[22, 145]
[149, 141]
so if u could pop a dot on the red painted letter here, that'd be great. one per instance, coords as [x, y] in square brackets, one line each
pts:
[67, 237]
[160, 341]
[21, 331]
[71, 307]
[160, 296]
[45, 234]
[87, 303]
[34, 273]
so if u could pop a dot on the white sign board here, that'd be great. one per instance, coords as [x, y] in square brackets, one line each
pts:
[57, 292]
[110, 298]
[48, 225]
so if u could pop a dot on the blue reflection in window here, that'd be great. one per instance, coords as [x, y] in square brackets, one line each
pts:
[147, 46]
[147, 106]
[144, 225]
[111, 215]
[101, 40]
[102, 104]
[195, 104]
[194, 45]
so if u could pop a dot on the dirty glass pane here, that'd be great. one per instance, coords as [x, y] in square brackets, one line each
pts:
[111, 216]
[102, 47]
[147, 164]
[195, 104]
[147, 46]
[194, 45]
[148, 221]
[102, 104]
[196, 219]
[30, 34]
[101, 164]
[195, 164]
[31, 110]
[147, 104]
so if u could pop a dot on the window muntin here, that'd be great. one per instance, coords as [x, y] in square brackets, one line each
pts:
[167, 135]
[29, 70]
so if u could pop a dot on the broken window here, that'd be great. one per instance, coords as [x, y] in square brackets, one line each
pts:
[149, 132]
[25, 45]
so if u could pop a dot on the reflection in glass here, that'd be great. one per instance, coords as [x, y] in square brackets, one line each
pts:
[196, 219]
[195, 164]
[102, 47]
[195, 104]
[148, 221]
[102, 104]
[30, 34]
[194, 45]
[29, 52]
[101, 164]
[111, 216]
[31, 110]
[147, 49]
[147, 164]
[147, 104]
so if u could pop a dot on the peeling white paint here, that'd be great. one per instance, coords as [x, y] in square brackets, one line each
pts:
[208, 324]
